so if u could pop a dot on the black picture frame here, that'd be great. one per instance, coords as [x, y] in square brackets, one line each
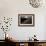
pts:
[26, 19]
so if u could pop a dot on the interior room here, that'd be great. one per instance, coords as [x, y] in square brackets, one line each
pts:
[23, 22]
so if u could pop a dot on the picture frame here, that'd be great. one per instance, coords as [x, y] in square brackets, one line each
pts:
[26, 19]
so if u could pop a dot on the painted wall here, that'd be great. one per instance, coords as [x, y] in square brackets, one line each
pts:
[11, 8]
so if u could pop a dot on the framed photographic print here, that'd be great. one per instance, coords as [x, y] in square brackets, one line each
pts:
[26, 20]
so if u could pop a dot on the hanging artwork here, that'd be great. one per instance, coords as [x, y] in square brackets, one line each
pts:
[26, 19]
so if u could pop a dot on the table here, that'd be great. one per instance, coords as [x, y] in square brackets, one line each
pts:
[27, 42]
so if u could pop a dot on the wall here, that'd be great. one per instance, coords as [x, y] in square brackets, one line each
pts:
[11, 8]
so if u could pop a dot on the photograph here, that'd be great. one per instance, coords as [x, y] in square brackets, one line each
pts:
[26, 19]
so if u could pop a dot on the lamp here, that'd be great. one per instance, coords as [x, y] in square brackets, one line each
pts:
[36, 3]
